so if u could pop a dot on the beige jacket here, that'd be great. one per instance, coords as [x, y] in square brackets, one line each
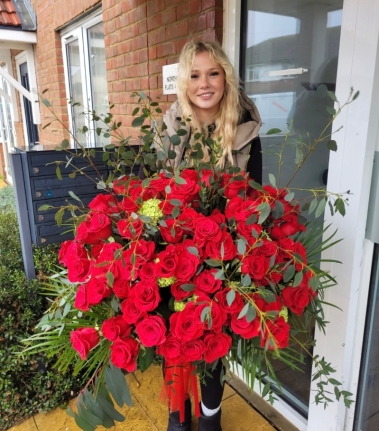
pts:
[246, 132]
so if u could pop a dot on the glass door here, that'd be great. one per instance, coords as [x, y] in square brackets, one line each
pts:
[289, 56]
[7, 131]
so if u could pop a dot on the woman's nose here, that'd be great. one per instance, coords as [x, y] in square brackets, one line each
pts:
[204, 81]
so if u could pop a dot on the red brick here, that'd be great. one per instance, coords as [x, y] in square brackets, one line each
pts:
[128, 5]
[142, 26]
[152, 52]
[141, 12]
[139, 42]
[145, 82]
[142, 69]
[154, 22]
[197, 24]
[169, 16]
[124, 47]
[153, 82]
[177, 30]
[155, 6]
[129, 32]
[143, 56]
[192, 8]
[156, 36]
[211, 19]
[156, 66]
[122, 20]
[207, 4]
[165, 49]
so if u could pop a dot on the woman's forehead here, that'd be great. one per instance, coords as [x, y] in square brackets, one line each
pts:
[203, 60]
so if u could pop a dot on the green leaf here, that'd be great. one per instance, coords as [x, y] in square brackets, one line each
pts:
[289, 196]
[188, 287]
[109, 409]
[175, 202]
[180, 180]
[65, 144]
[145, 358]
[244, 311]
[138, 121]
[181, 132]
[255, 185]
[46, 102]
[251, 314]
[320, 208]
[58, 172]
[213, 262]
[278, 210]
[332, 96]
[265, 212]
[273, 131]
[73, 195]
[332, 145]
[175, 140]
[206, 312]
[289, 273]
[272, 179]
[331, 110]
[298, 279]
[110, 278]
[356, 95]
[135, 111]
[313, 206]
[193, 250]
[241, 246]
[230, 297]
[171, 154]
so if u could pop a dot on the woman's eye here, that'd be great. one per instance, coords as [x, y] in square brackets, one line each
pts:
[194, 76]
[215, 73]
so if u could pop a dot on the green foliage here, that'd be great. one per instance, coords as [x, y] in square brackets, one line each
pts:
[7, 202]
[27, 385]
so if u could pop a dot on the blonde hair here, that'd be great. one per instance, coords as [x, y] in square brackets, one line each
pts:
[230, 111]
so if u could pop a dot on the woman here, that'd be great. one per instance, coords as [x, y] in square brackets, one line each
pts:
[208, 93]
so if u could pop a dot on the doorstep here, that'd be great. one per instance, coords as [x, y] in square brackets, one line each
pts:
[148, 414]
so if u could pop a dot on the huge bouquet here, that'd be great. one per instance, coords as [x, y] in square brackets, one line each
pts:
[194, 265]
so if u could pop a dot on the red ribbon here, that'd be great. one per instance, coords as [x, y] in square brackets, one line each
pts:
[180, 382]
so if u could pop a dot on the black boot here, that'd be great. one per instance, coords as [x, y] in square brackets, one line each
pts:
[210, 423]
[174, 423]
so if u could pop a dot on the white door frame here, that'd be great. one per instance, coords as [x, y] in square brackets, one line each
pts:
[358, 67]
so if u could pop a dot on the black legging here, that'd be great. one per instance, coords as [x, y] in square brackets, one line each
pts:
[212, 389]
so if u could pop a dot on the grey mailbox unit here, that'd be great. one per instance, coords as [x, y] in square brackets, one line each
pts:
[36, 184]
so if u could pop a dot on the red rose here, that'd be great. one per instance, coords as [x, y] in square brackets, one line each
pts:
[213, 249]
[128, 205]
[218, 217]
[121, 284]
[178, 293]
[147, 272]
[186, 324]
[190, 174]
[187, 218]
[81, 300]
[291, 226]
[96, 227]
[300, 249]
[83, 340]
[206, 283]
[207, 175]
[97, 289]
[166, 207]
[256, 266]
[236, 305]
[297, 298]
[233, 207]
[151, 330]
[160, 182]
[217, 346]
[276, 334]
[216, 316]
[74, 256]
[184, 192]
[145, 295]
[115, 327]
[167, 262]
[170, 349]
[187, 266]
[268, 248]
[172, 232]
[193, 350]
[143, 249]
[106, 204]
[244, 328]
[249, 232]
[107, 255]
[234, 187]
[130, 228]
[248, 208]
[124, 353]
[206, 230]
[130, 312]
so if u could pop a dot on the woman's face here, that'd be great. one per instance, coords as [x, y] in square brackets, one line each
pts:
[206, 86]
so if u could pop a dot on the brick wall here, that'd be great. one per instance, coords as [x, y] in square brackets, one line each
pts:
[140, 37]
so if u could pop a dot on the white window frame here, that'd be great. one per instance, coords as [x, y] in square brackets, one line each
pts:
[358, 67]
[78, 31]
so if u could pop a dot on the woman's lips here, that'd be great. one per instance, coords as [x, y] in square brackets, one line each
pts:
[205, 96]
